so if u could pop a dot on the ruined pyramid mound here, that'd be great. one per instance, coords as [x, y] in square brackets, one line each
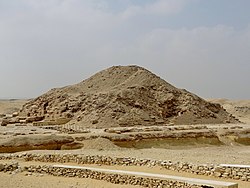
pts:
[125, 96]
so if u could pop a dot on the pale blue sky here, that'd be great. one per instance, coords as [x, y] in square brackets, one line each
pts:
[200, 45]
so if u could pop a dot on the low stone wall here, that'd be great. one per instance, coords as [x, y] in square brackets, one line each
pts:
[67, 129]
[109, 177]
[113, 178]
[237, 173]
[9, 167]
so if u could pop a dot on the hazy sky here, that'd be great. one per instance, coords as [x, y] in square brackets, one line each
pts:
[200, 45]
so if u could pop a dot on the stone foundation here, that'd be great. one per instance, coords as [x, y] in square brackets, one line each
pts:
[237, 173]
[109, 177]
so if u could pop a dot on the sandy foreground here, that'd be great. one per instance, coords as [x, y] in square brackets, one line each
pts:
[22, 181]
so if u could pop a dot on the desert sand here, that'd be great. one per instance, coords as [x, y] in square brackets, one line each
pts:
[36, 181]
[8, 106]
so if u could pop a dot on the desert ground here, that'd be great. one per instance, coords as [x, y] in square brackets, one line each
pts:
[122, 118]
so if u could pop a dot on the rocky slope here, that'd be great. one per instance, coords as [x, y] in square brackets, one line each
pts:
[125, 96]
[239, 108]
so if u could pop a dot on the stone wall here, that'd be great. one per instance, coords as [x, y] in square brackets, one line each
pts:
[109, 177]
[237, 173]
[9, 167]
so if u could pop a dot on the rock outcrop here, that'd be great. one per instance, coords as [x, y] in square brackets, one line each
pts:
[34, 142]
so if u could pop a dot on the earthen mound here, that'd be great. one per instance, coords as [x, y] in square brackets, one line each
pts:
[100, 144]
[125, 96]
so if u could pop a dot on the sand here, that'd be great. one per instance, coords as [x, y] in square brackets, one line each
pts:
[22, 181]
[11, 106]
[200, 155]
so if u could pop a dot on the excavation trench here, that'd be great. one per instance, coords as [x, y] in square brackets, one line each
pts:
[176, 143]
